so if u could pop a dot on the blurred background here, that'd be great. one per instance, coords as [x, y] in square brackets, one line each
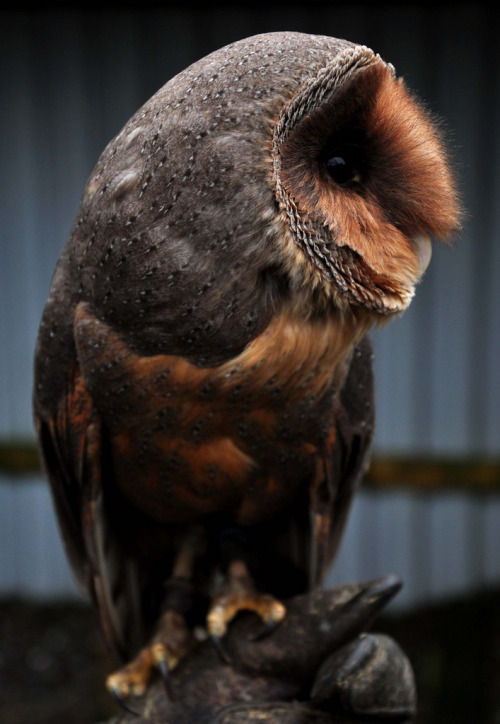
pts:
[430, 508]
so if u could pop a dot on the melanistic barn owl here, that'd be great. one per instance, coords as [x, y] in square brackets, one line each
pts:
[203, 388]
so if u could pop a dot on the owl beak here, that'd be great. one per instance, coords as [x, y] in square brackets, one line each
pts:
[423, 248]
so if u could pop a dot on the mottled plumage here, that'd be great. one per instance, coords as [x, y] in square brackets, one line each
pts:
[202, 361]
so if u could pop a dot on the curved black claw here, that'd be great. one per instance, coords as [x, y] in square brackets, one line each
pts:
[118, 699]
[163, 670]
[217, 642]
[266, 630]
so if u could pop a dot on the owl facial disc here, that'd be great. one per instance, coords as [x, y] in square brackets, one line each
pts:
[363, 182]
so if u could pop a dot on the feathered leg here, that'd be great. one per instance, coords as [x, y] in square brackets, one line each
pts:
[173, 637]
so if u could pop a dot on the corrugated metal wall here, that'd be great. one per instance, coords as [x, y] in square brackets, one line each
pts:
[71, 80]
[441, 545]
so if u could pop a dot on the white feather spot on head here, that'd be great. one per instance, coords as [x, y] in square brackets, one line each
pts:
[124, 182]
[130, 138]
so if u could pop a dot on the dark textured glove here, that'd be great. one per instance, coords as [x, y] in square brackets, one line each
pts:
[317, 667]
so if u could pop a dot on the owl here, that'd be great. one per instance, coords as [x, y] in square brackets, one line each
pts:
[203, 382]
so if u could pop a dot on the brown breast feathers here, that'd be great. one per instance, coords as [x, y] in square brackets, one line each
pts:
[238, 438]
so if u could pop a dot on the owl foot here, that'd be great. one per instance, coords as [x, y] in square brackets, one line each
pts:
[240, 595]
[171, 642]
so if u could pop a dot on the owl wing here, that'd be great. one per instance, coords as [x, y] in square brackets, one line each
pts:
[345, 459]
[73, 452]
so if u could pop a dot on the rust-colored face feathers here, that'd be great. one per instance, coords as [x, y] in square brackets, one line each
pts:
[364, 182]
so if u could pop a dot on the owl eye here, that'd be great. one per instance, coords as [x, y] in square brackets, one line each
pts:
[344, 165]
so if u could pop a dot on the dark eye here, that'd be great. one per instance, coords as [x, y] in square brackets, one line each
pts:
[344, 165]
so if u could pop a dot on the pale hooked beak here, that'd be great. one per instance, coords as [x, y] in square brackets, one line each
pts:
[424, 250]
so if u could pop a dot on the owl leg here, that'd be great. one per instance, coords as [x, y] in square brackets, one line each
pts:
[239, 594]
[172, 639]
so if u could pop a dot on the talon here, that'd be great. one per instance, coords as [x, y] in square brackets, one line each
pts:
[160, 658]
[217, 642]
[266, 631]
[117, 697]
[272, 612]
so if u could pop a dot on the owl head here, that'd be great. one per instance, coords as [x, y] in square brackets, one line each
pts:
[282, 167]
[363, 183]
